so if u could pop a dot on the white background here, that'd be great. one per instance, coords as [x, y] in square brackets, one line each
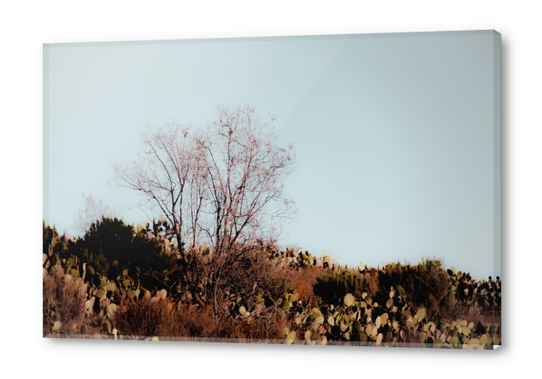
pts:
[25, 26]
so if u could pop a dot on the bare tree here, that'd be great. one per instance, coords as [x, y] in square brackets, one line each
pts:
[223, 185]
[244, 175]
[167, 174]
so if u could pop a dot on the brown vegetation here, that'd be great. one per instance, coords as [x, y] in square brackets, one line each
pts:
[63, 301]
[301, 280]
[162, 318]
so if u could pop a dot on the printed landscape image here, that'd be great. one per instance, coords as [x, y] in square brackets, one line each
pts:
[354, 202]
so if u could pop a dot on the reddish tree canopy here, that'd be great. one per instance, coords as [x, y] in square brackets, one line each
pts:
[221, 184]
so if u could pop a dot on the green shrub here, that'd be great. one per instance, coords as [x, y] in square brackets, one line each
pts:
[425, 284]
[331, 288]
[111, 246]
[111, 238]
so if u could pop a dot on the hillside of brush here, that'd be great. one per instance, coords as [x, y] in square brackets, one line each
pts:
[124, 282]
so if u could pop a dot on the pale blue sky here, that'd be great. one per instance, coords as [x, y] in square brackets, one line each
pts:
[395, 133]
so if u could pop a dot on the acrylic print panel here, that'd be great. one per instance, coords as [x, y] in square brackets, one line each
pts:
[339, 190]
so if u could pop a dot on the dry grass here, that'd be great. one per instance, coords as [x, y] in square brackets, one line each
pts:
[63, 300]
[163, 318]
[302, 280]
[475, 315]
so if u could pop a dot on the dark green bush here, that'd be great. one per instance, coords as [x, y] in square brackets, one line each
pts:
[425, 284]
[110, 246]
[331, 288]
[111, 238]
